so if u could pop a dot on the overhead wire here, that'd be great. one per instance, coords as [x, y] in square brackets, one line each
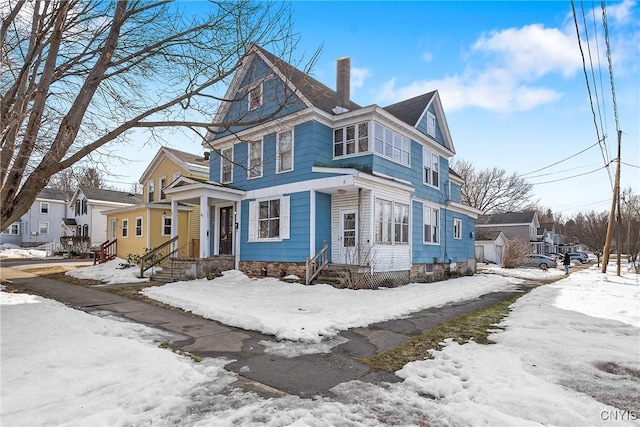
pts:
[586, 76]
[569, 177]
[560, 161]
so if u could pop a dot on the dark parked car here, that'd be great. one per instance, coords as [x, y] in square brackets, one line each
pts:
[578, 256]
[541, 261]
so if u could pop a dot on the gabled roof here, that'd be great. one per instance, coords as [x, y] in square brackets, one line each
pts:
[54, 194]
[320, 95]
[194, 163]
[488, 235]
[410, 110]
[509, 218]
[104, 195]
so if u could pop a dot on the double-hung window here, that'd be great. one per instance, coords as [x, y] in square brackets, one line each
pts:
[150, 190]
[44, 207]
[255, 97]
[166, 226]
[14, 229]
[43, 227]
[457, 228]
[163, 185]
[125, 228]
[255, 159]
[138, 226]
[226, 165]
[431, 125]
[392, 222]
[284, 155]
[431, 224]
[431, 167]
[269, 219]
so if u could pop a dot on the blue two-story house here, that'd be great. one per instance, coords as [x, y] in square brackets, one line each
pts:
[299, 164]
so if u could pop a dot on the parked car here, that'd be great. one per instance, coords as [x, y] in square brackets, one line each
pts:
[541, 261]
[555, 255]
[581, 257]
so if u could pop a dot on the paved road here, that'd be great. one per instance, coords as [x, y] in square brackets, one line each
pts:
[265, 373]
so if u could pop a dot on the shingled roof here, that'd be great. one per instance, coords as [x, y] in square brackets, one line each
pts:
[320, 95]
[507, 218]
[410, 110]
[190, 158]
[55, 194]
[113, 196]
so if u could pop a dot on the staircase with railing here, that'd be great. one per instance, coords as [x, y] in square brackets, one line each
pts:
[174, 263]
[316, 263]
[105, 252]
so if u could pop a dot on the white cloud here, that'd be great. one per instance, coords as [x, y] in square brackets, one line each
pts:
[621, 12]
[358, 76]
[427, 56]
[512, 61]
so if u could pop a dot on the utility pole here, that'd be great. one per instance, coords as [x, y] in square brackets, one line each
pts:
[612, 213]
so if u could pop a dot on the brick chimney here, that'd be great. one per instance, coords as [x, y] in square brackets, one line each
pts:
[343, 76]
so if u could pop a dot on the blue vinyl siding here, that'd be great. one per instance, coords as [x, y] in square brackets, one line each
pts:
[449, 249]
[323, 221]
[294, 249]
[275, 95]
[422, 126]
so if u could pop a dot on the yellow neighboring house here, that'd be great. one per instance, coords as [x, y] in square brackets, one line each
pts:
[148, 225]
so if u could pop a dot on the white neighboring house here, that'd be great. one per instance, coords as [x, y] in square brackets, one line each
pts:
[489, 246]
[86, 207]
[41, 223]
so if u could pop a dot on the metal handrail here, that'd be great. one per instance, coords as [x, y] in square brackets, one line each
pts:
[313, 266]
[148, 260]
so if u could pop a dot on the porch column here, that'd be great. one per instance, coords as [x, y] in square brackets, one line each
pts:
[237, 234]
[174, 224]
[204, 227]
[312, 223]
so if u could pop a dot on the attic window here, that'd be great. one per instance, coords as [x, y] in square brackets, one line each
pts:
[431, 124]
[255, 97]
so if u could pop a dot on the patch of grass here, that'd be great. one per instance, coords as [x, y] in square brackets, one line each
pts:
[45, 271]
[472, 326]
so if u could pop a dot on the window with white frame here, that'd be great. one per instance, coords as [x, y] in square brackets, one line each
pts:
[85, 206]
[269, 219]
[431, 124]
[43, 227]
[85, 230]
[457, 228]
[391, 144]
[284, 154]
[79, 230]
[151, 188]
[13, 229]
[166, 226]
[255, 96]
[401, 223]
[431, 167]
[431, 224]
[226, 165]
[163, 185]
[125, 228]
[77, 207]
[44, 207]
[351, 139]
[391, 222]
[255, 159]
[383, 221]
[139, 226]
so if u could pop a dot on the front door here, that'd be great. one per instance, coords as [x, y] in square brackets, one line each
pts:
[225, 246]
[348, 237]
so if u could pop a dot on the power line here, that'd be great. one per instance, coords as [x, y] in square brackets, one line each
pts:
[570, 177]
[560, 161]
[564, 170]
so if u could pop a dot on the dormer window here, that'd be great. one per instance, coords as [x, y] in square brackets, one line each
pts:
[255, 97]
[431, 125]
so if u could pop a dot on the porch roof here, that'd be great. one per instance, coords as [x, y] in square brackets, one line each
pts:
[188, 188]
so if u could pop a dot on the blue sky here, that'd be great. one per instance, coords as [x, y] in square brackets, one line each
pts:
[510, 76]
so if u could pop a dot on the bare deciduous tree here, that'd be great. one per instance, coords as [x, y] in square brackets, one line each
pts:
[77, 75]
[492, 190]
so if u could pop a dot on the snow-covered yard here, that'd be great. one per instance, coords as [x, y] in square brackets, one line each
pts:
[569, 354]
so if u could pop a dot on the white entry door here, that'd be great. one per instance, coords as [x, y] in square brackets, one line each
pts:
[348, 236]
